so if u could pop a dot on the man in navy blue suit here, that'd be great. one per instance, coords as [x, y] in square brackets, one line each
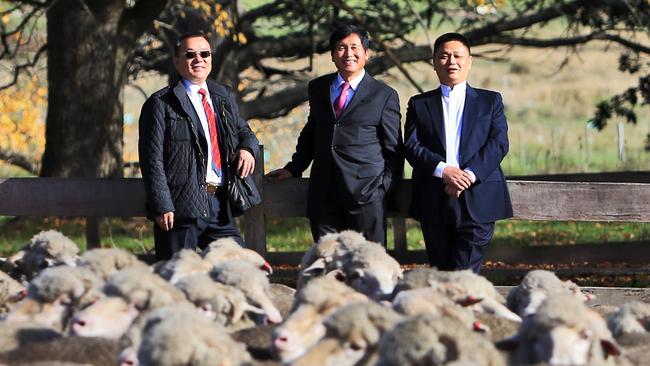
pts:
[455, 139]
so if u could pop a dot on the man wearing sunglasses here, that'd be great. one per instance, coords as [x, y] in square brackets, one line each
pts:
[183, 131]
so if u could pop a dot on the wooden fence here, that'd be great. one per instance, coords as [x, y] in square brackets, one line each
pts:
[532, 200]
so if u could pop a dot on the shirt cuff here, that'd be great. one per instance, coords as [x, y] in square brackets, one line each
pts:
[472, 176]
[438, 171]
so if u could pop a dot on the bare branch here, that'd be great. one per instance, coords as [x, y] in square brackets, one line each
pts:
[19, 68]
[559, 42]
[22, 161]
[278, 104]
[266, 10]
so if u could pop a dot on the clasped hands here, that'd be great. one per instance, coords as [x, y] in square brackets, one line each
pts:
[456, 180]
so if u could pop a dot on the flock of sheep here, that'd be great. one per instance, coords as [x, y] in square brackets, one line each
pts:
[353, 306]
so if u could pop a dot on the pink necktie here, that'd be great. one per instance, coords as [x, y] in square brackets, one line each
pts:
[214, 139]
[339, 104]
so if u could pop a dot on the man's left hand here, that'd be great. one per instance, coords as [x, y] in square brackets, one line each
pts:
[245, 163]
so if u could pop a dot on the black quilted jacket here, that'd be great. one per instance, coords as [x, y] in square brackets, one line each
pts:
[173, 149]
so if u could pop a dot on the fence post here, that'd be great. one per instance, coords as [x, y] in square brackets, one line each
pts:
[399, 235]
[254, 224]
[92, 233]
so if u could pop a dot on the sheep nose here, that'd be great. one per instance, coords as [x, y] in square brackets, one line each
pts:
[281, 340]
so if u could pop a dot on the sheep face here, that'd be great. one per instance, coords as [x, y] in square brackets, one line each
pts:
[109, 317]
[375, 282]
[562, 346]
[300, 331]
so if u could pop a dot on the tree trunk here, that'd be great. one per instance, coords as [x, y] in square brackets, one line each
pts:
[86, 78]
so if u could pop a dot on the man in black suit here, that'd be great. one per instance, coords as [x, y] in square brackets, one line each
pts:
[353, 136]
[183, 131]
[455, 139]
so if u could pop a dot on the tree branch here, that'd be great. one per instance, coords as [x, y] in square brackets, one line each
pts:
[18, 68]
[137, 19]
[278, 104]
[22, 161]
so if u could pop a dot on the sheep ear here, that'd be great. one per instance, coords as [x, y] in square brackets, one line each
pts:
[253, 309]
[470, 300]
[493, 307]
[610, 348]
[318, 266]
[15, 259]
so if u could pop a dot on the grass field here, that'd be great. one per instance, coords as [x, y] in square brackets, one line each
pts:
[294, 235]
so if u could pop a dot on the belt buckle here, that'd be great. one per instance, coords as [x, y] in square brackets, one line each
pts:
[211, 188]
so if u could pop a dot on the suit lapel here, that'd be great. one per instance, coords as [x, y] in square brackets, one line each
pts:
[363, 89]
[188, 108]
[469, 118]
[434, 106]
[325, 97]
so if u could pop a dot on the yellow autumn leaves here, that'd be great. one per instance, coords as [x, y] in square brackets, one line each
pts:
[22, 118]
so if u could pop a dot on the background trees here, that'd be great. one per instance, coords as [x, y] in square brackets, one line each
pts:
[95, 47]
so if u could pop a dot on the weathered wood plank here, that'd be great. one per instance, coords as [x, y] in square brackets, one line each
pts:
[602, 177]
[122, 197]
[562, 201]
[632, 253]
[125, 198]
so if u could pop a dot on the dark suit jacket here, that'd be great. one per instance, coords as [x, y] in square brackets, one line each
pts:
[362, 149]
[483, 144]
[173, 148]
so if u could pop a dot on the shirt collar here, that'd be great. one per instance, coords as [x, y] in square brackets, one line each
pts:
[193, 89]
[354, 83]
[458, 90]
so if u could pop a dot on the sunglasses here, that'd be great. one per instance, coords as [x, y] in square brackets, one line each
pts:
[192, 54]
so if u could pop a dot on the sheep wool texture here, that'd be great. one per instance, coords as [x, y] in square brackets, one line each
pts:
[430, 340]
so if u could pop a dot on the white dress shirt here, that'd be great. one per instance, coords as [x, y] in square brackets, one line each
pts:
[197, 101]
[335, 88]
[453, 104]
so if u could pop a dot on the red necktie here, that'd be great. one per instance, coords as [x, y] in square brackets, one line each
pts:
[339, 103]
[214, 139]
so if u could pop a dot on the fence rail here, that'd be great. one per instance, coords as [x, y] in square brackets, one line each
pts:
[532, 200]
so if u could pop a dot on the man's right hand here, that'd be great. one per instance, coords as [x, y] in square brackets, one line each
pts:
[278, 175]
[457, 178]
[166, 220]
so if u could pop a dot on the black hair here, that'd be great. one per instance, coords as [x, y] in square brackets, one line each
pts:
[184, 36]
[448, 37]
[344, 31]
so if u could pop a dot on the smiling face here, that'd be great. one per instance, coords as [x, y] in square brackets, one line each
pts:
[452, 62]
[197, 68]
[349, 56]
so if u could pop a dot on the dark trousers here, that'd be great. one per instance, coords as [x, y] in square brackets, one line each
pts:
[190, 233]
[368, 219]
[453, 240]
